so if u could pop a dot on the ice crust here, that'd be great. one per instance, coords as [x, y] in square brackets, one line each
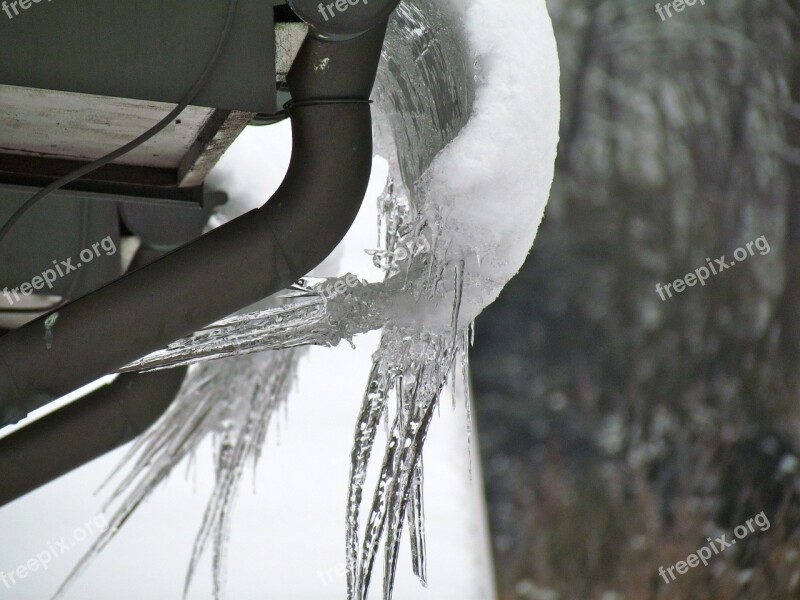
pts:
[467, 115]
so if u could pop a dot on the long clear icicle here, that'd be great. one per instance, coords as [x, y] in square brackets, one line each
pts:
[416, 525]
[398, 493]
[232, 400]
[373, 407]
[420, 369]
[303, 320]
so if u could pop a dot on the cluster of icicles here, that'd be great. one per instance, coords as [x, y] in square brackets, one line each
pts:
[248, 362]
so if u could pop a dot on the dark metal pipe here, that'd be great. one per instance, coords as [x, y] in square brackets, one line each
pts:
[229, 268]
[90, 426]
[84, 430]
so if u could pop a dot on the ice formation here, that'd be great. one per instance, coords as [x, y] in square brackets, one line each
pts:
[467, 112]
[232, 400]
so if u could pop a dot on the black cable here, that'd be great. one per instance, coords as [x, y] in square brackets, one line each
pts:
[263, 119]
[292, 104]
[155, 130]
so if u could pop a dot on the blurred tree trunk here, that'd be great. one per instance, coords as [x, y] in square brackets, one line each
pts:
[575, 114]
[789, 308]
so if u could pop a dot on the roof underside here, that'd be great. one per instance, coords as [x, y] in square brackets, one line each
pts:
[80, 79]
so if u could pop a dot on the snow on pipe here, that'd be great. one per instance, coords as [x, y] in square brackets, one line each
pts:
[232, 266]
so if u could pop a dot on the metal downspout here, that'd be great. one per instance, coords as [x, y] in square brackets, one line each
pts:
[234, 265]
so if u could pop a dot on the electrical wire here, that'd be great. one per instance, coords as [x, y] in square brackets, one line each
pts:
[152, 132]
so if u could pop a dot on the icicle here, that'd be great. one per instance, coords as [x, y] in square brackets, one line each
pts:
[418, 376]
[302, 320]
[416, 525]
[296, 323]
[465, 375]
[235, 399]
[377, 516]
[373, 407]
[399, 499]
[408, 416]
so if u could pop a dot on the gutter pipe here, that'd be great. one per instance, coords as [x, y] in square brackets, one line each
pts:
[231, 267]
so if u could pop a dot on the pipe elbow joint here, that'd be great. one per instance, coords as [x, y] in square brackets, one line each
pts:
[230, 267]
[343, 18]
